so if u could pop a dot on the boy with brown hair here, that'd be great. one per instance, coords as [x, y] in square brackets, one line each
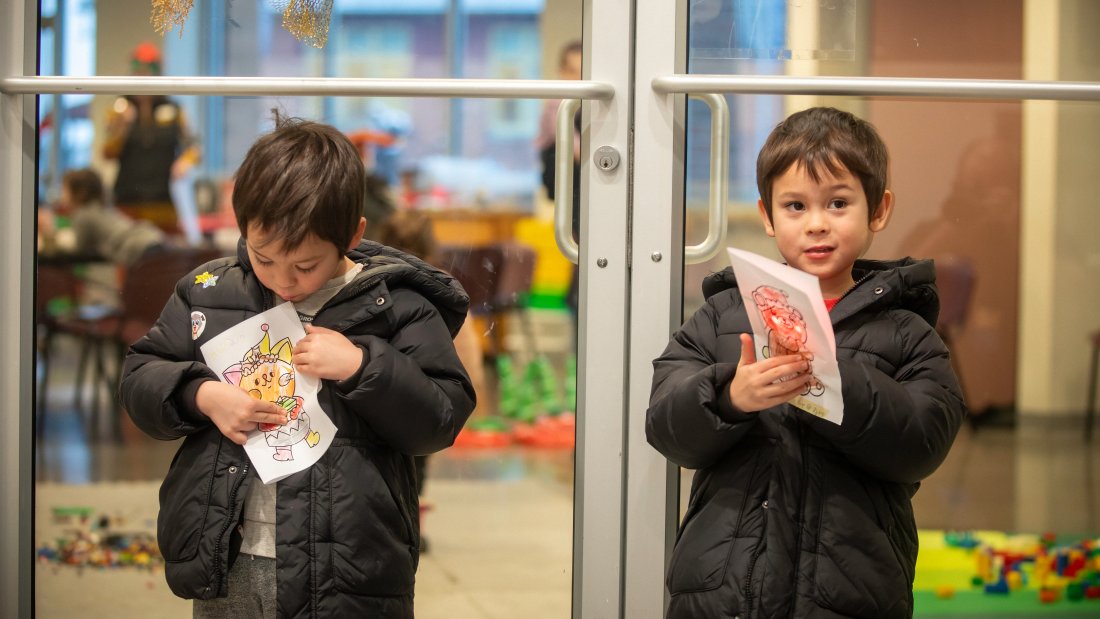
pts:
[792, 515]
[339, 539]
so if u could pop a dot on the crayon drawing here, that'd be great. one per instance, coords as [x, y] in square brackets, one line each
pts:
[257, 355]
[786, 330]
[788, 316]
[266, 373]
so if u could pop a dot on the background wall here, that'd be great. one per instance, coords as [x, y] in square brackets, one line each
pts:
[955, 167]
[1060, 258]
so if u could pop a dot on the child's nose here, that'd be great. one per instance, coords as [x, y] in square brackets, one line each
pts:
[816, 222]
[285, 278]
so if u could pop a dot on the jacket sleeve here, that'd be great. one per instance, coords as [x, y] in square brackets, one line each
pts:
[690, 418]
[412, 389]
[160, 375]
[899, 428]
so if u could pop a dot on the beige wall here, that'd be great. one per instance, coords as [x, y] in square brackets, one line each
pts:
[1060, 256]
[955, 168]
[561, 23]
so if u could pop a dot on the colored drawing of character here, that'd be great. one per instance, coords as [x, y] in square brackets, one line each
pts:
[786, 330]
[265, 372]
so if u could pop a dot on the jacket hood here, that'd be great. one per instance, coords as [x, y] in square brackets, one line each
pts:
[907, 283]
[398, 269]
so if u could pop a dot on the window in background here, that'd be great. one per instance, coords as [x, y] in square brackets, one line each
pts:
[67, 47]
[469, 152]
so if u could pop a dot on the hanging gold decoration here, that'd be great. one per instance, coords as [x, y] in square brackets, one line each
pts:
[167, 14]
[307, 20]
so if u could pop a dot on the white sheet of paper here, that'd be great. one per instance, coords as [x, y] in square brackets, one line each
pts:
[256, 355]
[788, 315]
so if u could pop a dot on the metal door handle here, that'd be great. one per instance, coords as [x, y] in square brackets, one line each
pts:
[563, 180]
[719, 180]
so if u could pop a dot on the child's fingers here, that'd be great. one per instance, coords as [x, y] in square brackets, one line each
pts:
[311, 328]
[279, 418]
[779, 393]
[748, 351]
[784, 364]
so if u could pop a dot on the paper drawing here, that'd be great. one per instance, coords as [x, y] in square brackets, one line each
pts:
[245, 356]
[788, 316]
[787, 332]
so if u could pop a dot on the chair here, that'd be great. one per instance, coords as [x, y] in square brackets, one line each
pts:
[146, 286]
[498, 278]
[56, 291]
[955, 282]
[1094, 368]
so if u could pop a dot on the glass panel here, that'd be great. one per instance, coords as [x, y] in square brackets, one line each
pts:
[497, 508]
[994, 191]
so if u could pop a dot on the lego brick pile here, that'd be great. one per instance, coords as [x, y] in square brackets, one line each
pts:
[996, 574]
[97, 542]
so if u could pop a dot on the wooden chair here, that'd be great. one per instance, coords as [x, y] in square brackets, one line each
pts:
[56, 292]
[146, 287]
[498, 279]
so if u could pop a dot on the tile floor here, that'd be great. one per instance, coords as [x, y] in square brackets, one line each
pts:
[500, 524]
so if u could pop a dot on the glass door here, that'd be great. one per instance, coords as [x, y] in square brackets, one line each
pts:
[986, 133]
[523, 516]
[989, 109]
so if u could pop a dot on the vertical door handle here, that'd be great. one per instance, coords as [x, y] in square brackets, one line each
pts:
[563, 180]
[719, 180]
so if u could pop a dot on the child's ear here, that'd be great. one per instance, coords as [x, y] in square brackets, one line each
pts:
[358, 236]
[883, 212]
[764, 216]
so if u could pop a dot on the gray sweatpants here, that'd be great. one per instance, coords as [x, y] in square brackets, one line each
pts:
[251, 592]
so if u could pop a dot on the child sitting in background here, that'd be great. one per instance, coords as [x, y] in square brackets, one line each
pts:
[95, 231]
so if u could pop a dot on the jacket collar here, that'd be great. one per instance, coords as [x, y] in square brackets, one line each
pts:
[391, 268]
[907, 283]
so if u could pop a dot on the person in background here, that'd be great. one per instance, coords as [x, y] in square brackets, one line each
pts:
[95, 231]
[148, 136]
[792, 515]
[411, 231]
[569, 68]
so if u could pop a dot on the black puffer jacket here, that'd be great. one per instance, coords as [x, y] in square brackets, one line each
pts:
[347, 528]
[792, 515]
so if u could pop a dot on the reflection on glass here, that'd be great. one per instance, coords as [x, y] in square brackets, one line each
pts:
[982, 188]
[465, 175]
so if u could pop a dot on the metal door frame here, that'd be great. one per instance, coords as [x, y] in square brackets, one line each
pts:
[657, 250]
[598, 508]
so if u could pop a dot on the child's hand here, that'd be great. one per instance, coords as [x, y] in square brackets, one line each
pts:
[756, 386]
[325, 353]
[235, 412]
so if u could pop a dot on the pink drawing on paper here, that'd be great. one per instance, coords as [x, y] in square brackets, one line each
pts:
[787, 331]
[266, 373]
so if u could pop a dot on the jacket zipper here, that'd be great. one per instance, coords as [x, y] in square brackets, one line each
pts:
[228, 521]
[866, 276]
[800, 515]
[759, 550]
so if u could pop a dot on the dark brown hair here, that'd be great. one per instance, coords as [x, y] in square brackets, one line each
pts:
[411, 232]
[84, 185]
[303, 178]
[824, 137]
